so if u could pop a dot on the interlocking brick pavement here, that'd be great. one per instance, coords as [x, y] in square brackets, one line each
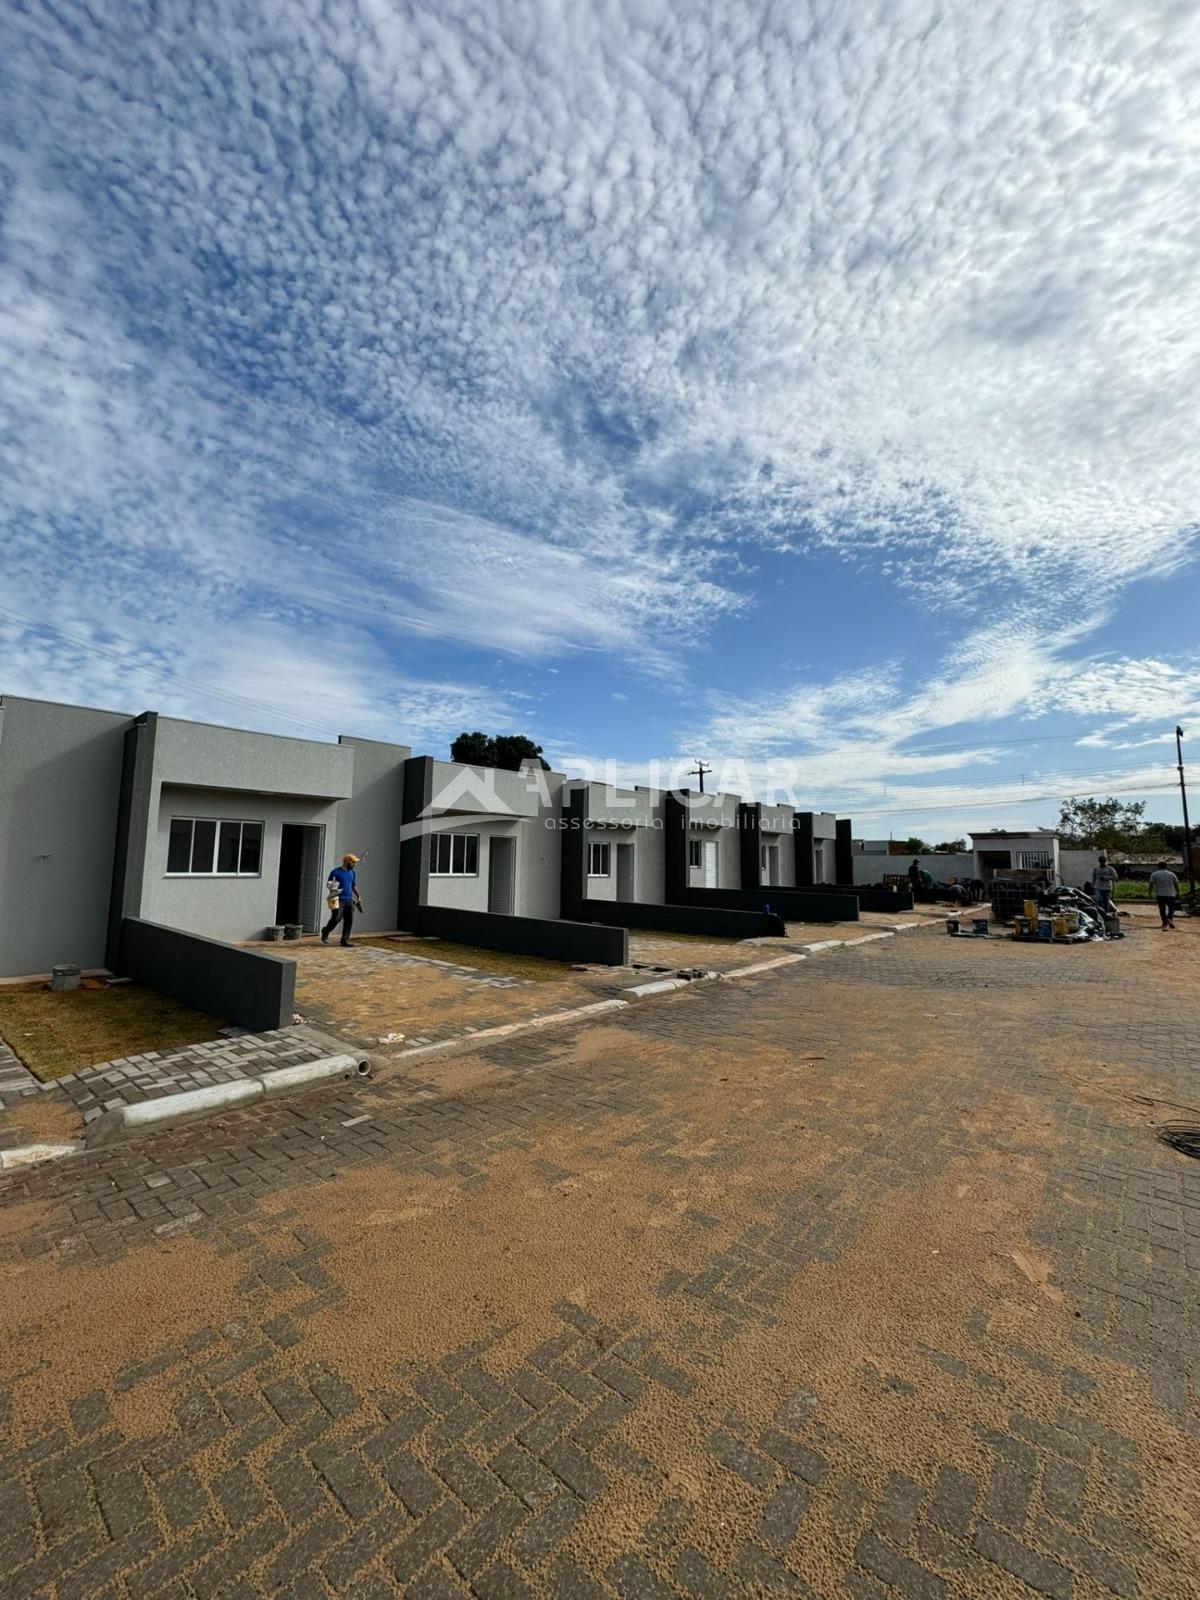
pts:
[554, 1463]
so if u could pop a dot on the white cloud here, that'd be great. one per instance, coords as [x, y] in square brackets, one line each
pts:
[521, 322]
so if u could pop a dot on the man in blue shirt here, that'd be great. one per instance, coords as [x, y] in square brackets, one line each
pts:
[343, 886]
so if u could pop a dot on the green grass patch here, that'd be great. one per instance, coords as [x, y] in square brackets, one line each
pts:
[1130, 889]
[59, 1033]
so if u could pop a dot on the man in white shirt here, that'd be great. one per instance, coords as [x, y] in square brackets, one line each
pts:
[1103, 878]
[1164, 886]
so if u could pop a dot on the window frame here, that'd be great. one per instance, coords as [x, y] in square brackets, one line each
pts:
[604, 845]
[451, 871]
[218, 825]
[695, 855]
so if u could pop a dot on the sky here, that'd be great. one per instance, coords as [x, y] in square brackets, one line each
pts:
[806, 387]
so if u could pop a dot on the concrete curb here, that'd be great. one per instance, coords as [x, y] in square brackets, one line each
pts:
[32, 1155]
[169, 1110]
[504, 1030]
[665, 985]
[763, 966]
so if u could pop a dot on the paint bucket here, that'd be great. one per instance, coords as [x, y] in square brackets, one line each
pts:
[979, 927]
[1030, 909]
[1045, 928]
[293, 930]
[951, 924]
[275, 932]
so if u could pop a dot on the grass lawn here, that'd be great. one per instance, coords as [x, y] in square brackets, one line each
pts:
[58, 1033]
[539, 968]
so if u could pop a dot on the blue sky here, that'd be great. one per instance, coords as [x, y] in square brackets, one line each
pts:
[810, 387]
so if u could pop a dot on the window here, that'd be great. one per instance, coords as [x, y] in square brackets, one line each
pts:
[695, 853]
[598, 858]
[763, 859]
[204, 847]
[1035, 860]
[454, 855]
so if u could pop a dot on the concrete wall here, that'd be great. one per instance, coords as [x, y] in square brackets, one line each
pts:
[872, 869]
[631, 817]
[1077, 866]
[197, 755]
[60, 779]
[247, 987]
[470, 893]
[229, 908]
[369, 825]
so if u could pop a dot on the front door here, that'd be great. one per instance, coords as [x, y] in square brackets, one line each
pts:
[710, 863]
[502, 860]
[625, 872]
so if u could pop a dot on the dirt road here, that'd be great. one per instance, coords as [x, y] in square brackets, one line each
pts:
[867, 1278]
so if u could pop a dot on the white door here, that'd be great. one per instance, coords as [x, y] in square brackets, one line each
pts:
[710, 863]
[819, 864]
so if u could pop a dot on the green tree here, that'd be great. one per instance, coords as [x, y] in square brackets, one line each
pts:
[476, 749]
[503, 750]
[951, 847]
[910, 847]
[1108, 824]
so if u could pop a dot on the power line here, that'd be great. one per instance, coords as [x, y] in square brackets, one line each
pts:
[997, 803]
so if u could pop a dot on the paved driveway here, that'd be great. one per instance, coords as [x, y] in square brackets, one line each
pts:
[866, 1278]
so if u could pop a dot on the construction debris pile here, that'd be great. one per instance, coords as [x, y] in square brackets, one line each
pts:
[1054, 913]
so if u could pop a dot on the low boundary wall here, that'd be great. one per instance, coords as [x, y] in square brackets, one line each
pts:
[247, 987]
[527, 936]
[721, 921]
[799, 905]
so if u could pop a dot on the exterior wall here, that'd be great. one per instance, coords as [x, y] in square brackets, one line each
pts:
[539, 853]
[369, 825]
[626, 816]
[787, 855]
[226, 908]
[1015, 844]
[1077, 866]
[198, 756]
[715, 816]
[873, 869]
[471, 893]
[60, 780]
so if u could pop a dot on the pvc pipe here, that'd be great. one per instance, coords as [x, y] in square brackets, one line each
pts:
[305, 1074]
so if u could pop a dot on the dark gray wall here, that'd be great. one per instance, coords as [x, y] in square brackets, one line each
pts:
[414, 847]
[675, 844]
[60, 787]
[724, 924]
[247, 987]
[798, 905]
[749, 839]
[872, 898]
[573, 852]
[529, 936]
[843, 851]
[802, 834]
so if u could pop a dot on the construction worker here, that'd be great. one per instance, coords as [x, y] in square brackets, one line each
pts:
[1164, 885]
[1103, 879]
[344, 899]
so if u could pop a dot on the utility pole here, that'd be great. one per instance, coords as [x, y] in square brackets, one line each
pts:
[1187, 830]
[699, 770]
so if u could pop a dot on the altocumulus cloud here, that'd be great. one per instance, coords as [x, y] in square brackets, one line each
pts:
[530, 318]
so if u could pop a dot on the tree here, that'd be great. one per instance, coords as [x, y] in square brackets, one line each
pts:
[951, 847]
[503, 750]
[1109, 824]
[909, 847]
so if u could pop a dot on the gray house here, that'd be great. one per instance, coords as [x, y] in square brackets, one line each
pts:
[213, 830]
[108, 819]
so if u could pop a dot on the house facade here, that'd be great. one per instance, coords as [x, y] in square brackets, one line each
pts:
[225, 833]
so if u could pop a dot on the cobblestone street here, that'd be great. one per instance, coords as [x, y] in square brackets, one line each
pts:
[866, 1277]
